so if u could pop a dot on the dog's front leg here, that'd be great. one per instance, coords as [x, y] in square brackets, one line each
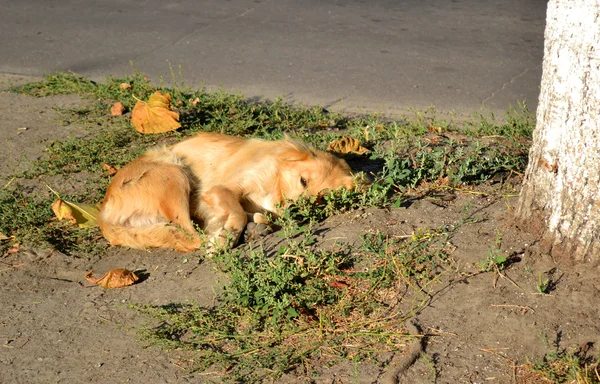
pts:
[223, 215]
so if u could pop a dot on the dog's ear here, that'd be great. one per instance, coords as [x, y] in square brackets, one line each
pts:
[295, 150]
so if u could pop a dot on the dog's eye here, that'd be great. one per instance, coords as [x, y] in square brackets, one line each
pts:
[303, 182]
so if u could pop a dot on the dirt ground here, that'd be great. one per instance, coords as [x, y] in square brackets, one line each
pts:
[481, 328]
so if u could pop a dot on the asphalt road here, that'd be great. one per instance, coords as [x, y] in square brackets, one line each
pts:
[365, 55]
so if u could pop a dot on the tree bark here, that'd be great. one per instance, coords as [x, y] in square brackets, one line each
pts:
[561, 191]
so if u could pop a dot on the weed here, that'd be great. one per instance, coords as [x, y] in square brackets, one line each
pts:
[293, 307]
[30, 220]
[301, 307]
[543, 284]
[518, 124]
[567, 367]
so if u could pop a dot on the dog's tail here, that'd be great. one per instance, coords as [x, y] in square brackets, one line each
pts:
[159, 235]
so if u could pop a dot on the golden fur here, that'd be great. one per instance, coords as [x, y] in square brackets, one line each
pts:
[220, 181]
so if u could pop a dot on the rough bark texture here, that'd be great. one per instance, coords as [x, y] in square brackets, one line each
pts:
[561, 191]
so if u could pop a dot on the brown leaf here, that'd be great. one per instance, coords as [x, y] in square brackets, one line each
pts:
[337, 284]
[347, 145]
[156, 115]
[195, 101]
[125, 86]
[110, 169]
[84, 215]
[117, 109]
[16, 247]
[115, 278]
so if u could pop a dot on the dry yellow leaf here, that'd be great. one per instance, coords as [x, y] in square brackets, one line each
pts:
[124, 86]
[110, 169]
[155, 116]
[117, 109]
[195, 101]
[347, 145]
[84, 215]
[115, 278]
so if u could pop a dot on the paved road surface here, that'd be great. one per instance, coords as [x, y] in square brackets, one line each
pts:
[365, 55]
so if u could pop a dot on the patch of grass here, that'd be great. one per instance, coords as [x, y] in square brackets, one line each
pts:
[567, 367]
[408, 154]
[495, 261]
[518, 124]
[293, 307]
[299, 307]
[29, 219]
[543, 284]
[115, 147]
[413, 149]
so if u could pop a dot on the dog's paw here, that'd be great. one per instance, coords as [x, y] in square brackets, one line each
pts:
[222, 241]
[256, 231]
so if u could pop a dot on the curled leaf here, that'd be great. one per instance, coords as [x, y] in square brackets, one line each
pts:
[115, 278]
[84, 215]
[347, 145]
[124, 86]
[156, 115]
[110, 169]
[117, 109]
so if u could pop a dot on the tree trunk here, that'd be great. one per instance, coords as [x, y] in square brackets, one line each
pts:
[561, 191]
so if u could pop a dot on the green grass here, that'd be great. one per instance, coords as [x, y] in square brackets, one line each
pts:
[296, 306]
[567, 367]
[408, 155]
[29, 220]
[299, 307]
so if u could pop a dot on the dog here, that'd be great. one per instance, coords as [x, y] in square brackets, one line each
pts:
[220, 182]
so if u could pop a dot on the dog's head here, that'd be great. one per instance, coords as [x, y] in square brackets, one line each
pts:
[309, 172]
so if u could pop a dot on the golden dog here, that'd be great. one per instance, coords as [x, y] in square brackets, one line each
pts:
[220, 181]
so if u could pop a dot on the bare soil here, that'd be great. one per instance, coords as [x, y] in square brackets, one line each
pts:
[479, 327]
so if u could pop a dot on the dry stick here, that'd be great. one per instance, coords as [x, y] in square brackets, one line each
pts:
[416, 348]
[524, 307]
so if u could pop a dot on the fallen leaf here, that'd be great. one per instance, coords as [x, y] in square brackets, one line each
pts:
[110, 169]
[195, 101]
[115, 278]
[125, 86]
[347, 145]
[156, 115]
[3, 237]
[117, 109]
[84, 215]
[337, 284]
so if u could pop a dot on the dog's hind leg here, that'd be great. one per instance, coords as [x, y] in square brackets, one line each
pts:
[174, 206]
[147, 205]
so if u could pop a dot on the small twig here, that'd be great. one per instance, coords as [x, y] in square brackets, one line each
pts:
[9, 182]
[493, 351]
[402, 236]
[12, 265]
[435, 331]
[525, 307]
[504, 276]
